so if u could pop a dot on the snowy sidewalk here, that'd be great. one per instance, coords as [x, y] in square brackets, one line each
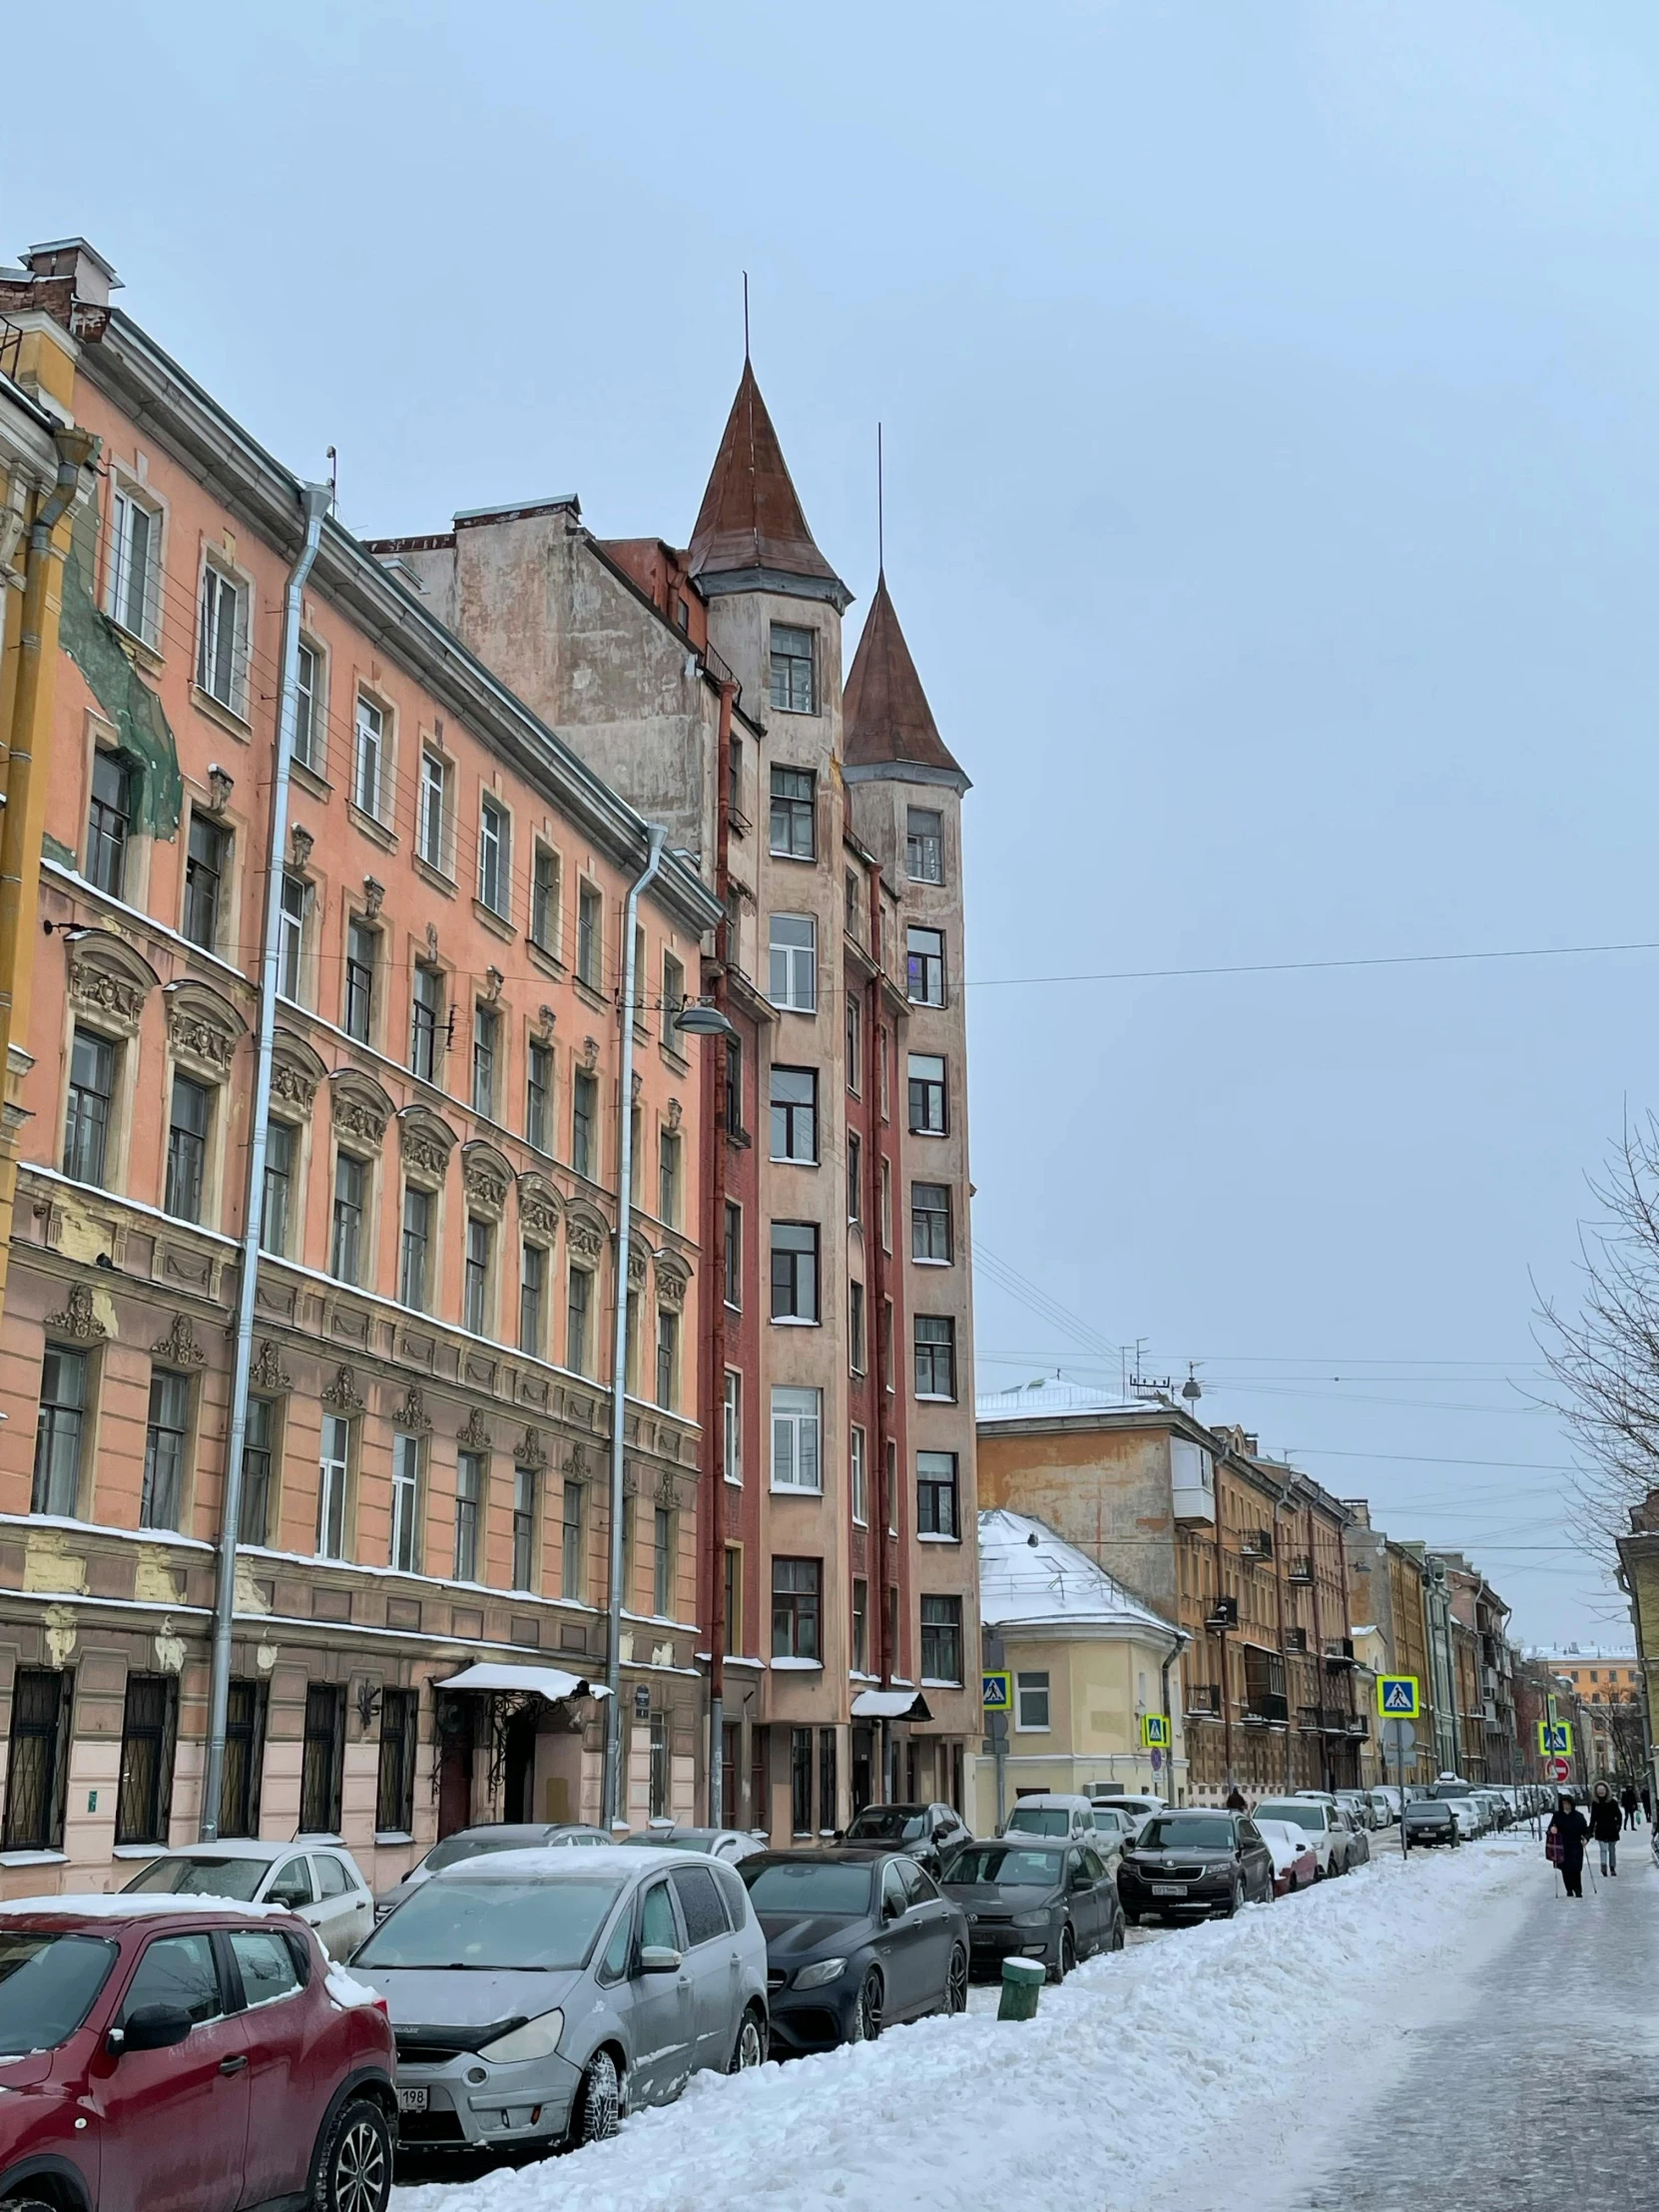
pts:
[1127, 2072]
[1542, 2089]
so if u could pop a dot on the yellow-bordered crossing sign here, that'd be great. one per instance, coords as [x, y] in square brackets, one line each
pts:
[1398, 1697]
[1155, 1731]
[996, 1692]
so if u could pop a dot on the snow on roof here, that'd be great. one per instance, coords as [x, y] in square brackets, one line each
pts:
[1028, 1574]
[1051, 1396]
[136, 1905]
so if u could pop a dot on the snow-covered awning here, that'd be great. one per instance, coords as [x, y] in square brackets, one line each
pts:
[891, 1705]
[551, 1683]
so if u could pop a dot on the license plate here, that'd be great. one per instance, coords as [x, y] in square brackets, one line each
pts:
[412, 2100]
[1169, 1888]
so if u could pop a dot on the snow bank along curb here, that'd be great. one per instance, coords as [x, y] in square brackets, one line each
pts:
[1123, 2071]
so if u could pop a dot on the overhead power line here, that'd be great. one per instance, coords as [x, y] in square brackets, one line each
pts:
[1307, 967]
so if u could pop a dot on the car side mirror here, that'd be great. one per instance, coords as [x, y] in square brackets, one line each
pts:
[841, 1834]
[891, 1908]
[659, 1958]
[152, 2027]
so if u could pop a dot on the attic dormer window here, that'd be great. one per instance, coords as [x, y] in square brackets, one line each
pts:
[793, 691]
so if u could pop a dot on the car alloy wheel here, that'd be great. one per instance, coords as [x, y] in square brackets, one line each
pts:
[1068, 1954]
[601, 2096]
[358, 2170]
[957, 1980]
[865, 2025]
[751, 2046]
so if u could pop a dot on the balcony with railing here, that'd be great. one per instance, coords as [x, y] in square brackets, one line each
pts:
[1203, 1701]
[1301, 1571]
[1265, 1709]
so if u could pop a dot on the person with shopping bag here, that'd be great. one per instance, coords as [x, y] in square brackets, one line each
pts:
[1564, 1841]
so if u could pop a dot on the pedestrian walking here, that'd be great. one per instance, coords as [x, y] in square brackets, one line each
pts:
[1606, 1825]
[1564, 1841]
[1647, 1804]
[1631, 1804]
[1235, 1802]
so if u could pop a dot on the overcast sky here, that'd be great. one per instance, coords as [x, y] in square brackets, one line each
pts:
[1269, 404]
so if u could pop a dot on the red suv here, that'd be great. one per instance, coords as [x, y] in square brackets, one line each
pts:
[159, 2058]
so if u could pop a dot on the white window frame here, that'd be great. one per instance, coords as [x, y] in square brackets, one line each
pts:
[432, 829]
[126, 502]
[405, 1502]
[496, 856]
[312, 753]
[333, 1464]
[731, 1427]
[798, 1428]
[859, 1471]
[1033, 1682]
[291, 934]
[220, 589]
[370, 733]
[791, 968]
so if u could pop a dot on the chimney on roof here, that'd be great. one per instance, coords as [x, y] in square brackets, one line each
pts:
[1359, 1507]
[93, 279]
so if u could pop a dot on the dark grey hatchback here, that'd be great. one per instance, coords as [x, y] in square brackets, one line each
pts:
[1195, 1862]
[1028, 1899]
[856, 1940]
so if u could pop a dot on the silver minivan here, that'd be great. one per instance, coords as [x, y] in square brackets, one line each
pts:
[538, 1996]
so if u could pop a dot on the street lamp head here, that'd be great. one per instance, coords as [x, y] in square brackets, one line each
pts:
[696, 1019]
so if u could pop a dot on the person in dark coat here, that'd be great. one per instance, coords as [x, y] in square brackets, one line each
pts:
[1564, 1841]
[1233, 1800]
[1606, 1825]
[1647, 1804]
[1629, 1800]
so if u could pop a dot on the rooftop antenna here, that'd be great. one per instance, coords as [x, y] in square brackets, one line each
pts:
[746, 315]
[881, 510]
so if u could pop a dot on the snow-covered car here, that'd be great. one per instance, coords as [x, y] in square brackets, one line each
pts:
[1115, 1828]
[1294, 1861]
[730, 1843]
[477, 1843]
[1470, 1815]
[1385, 1812]
[315, 1878]
[538, 1996]
[1320, 1821]
[1358, 1838]
[1139, 1809]
[1356, 1801]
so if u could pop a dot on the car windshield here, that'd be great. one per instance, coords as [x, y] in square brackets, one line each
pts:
[800, 1886]
[1300, 1813]
[203, 1877]
[481, 1922]
[1023, 1865]
[1038, 1819]
[1187, 1831]
[47, 1984]
[887, 1824]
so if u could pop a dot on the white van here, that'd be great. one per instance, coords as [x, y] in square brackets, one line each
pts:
[1050, 1812]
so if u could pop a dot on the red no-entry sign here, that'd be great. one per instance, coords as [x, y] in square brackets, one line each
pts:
[1558, 1770]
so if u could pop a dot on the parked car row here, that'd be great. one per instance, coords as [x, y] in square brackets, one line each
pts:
[526, 1986]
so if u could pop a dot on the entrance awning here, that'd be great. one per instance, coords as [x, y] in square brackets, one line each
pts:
[551, 1683]
[891, 1705]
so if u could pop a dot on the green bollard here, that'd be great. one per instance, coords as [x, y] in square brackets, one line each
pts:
[1022, 1979]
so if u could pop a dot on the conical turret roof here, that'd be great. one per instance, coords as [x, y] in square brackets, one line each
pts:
[751, 533]
[886, 718]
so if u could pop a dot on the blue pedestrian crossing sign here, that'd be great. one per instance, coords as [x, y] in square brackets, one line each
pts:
[1396, 1697]
[1555, 1738]
[1155, 1731]
[996, 1692]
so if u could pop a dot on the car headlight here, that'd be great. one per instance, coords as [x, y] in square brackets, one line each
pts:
[826, 1969]
[537, 2038]
[1030, 1920]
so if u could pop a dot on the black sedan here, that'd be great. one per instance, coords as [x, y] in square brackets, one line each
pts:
[927, 1833]
[1194, 1862]
[855, 1941]
[1026, 1898]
